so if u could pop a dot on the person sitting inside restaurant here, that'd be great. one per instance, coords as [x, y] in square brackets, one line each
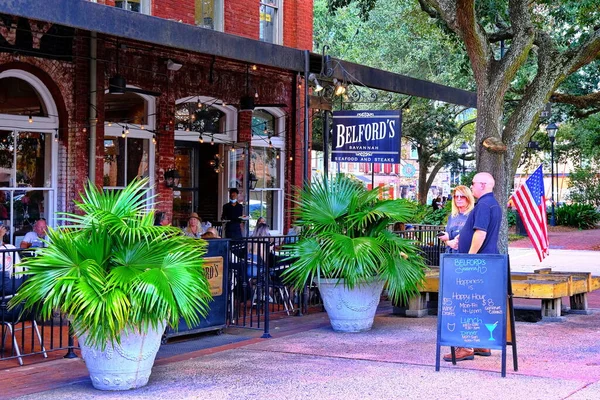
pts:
[161, 219]
[211, 233]
[7, 259]
[35, 238]
[194, 227]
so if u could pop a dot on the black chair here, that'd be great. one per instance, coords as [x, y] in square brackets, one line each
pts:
[11, 319]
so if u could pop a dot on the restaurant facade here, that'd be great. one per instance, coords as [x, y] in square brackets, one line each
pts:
[79, 104]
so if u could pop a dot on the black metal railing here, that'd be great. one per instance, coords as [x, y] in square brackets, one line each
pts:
[425, 237]
[23, 334]
[258, 291]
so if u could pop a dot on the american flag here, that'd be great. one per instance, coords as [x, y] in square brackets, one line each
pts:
[530, 201]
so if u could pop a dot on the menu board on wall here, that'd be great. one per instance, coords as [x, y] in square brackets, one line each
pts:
[472, 300]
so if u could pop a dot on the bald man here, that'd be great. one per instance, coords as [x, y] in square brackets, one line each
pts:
[479, 235]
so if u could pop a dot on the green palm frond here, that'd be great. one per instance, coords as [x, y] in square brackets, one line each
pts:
[112, 269]
[345, 236]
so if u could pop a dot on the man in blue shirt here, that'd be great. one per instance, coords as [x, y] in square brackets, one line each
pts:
[479, 235]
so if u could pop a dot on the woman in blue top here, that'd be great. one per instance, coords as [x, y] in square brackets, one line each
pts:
[462, 204]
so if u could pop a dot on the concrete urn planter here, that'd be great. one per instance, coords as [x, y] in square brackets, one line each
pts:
[123, 366]
[350, 310]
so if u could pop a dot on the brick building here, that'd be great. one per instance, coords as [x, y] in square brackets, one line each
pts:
[76, 104]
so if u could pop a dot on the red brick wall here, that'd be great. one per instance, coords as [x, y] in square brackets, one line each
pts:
[298, 24]
[178, 10]
[242, 18]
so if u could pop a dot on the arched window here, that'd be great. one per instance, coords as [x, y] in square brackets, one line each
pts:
[267, 165]
[128, 132]
[28, 152]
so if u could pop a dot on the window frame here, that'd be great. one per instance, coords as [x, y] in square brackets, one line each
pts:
[218, 10]
[278, 143]
[135, 131]
[46, 125]
[145, 6]
[277, 5]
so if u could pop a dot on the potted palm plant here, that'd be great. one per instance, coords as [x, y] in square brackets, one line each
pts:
[119, 280]
[345, 246]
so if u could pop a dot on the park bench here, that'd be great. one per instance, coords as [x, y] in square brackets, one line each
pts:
[543, 284]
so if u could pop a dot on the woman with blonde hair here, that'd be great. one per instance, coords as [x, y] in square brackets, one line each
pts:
[462, 204]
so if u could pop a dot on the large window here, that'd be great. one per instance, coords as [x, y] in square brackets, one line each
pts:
[265, 200]
[28, 175]
[208, 14]
[128, 146]
[266, 166]
[25, 179]
[141, 6]
[125, 159]
[270, 21]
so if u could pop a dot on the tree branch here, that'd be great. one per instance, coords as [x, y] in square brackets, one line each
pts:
[524, 35]
[467, 122]
[581, 101]
[584, 54]
[502, 35]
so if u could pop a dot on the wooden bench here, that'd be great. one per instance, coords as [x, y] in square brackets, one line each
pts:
[545, 285]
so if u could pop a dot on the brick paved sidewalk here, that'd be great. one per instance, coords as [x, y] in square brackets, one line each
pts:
[566, 239]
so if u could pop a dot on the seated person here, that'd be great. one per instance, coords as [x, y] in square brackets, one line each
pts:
[9, 258]
[194, 227]
[161, 219]
[34, 238]
[211, 233]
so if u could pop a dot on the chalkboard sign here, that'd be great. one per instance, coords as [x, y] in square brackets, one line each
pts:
[472, 300]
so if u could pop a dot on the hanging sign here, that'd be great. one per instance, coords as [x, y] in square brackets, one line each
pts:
[367, 136]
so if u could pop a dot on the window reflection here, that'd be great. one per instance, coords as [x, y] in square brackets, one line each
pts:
[125, 160]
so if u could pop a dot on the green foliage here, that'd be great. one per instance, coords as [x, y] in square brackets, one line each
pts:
[111, 269]
[585, 186]
[582, 216]
[345, 235]
[426, 215]
[511, 216]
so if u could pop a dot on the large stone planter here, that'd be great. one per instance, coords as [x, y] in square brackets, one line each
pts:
[125, 366]
[350, 310]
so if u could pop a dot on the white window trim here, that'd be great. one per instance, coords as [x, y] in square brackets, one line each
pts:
[279, 23]
[278, 143]
[47, 125]
[145, 7]
[136, 132]
[230, 121]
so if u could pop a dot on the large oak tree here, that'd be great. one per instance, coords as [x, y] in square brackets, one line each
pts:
[546, 41]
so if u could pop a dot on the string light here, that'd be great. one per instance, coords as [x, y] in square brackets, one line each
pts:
[201, 139]
[270, 144]
[212, 140]
[254, 67]
[154, 139]
[84, 130]
[56, 134]
[123, 133]
[142, 126]
[30, 119]
[291, 158]
[199, 104]
[233, 149]
[109, 123]
[126, 130]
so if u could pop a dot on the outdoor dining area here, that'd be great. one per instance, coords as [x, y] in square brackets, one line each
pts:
[247, 285]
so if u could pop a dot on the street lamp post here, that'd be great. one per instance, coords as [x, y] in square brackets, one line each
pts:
[464, 148]
[551, 129]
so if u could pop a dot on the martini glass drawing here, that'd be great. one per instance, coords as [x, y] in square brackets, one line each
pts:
[491, 327]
